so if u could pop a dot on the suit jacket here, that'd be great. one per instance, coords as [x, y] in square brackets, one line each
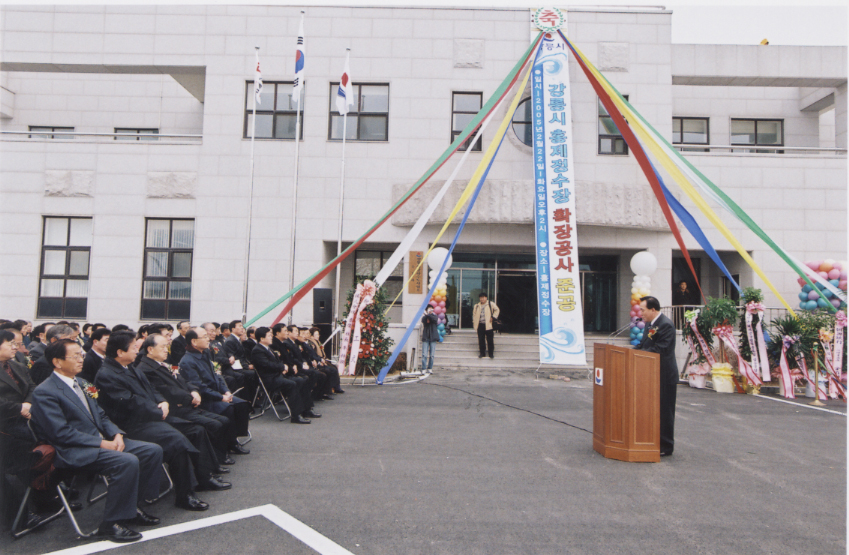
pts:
[40, 370]
[61, 420]
[233, 348]
[178, 349]
[91, 365]
[492, 311]
[295, 351]
[309, 352]
[266, 362]
[174, 389]
[36, 350]
[662, 341]
[127, 396]
[196, 369]
[13, 395]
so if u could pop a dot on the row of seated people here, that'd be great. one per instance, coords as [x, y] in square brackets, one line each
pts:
[140, 410]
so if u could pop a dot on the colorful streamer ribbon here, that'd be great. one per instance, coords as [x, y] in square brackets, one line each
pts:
[786, 380]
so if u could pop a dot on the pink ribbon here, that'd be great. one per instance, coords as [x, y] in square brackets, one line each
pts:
[726, 335]
[785, 378]
[839, 326]
[757, 345]
[702, 343]
[368, 297]
[349, 326]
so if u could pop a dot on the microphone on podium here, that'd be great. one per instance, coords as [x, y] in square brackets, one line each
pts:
[618, 332]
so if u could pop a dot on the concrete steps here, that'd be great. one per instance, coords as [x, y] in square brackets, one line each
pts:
[460, 350]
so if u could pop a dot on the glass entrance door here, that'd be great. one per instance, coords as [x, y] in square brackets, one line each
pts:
[517, 299]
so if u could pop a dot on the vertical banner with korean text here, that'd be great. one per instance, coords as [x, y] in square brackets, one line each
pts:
[561, 321]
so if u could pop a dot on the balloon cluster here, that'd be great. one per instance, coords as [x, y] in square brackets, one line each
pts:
[640, 287]
[440, 294]
[643, 264]
[828, 269]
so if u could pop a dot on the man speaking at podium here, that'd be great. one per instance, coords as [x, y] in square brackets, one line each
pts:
[659, 337]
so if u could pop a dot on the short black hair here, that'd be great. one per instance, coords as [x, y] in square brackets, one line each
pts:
[181, 322]
[651, 303]
[233, 324]
[224, 326]
[216, 324]
[37, 330]
[168, 326]
[58, 349]
[119, 341]
[250, 331]
[483, 295]
[191, 334]
[86, 327]
[98, 334]
[292, 328]
[275, 329]
[75, 326]
[261, 332]
[120, 327]
[98, 325]
[6, 335]
[10, 326]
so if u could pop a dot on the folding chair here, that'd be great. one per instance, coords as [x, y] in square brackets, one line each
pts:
[268, 401]
[100, 477]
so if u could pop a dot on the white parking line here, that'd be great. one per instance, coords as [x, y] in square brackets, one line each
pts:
[801, 405]
[287, 522]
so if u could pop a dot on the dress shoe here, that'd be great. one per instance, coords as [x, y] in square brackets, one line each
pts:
[326, 398]
[31, 520]
[311, 414]
[338, 391]
[191, 503]
[115, 532]
[222, 470]
[480, 356]
[239, 450]
[299, 420]
[491, 356]
[70, 494]
[228, 460]
[214, 484]
[665, 453]
[143, 519]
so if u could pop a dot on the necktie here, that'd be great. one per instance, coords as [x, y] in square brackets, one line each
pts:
[8, 368]
[84, 401]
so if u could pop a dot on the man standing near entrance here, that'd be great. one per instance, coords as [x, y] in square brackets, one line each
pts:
[659, 338]
[430, 337]
[482, 317]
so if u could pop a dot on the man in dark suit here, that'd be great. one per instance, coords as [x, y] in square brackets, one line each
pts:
[197, 369]
[95, 355]
[272, 371]
[328, 374]
[240, 361]
[132, 403]
[41, 368]
[84, 437]
[659, 337]
[178, 345]
[292, 355]
[183, 399]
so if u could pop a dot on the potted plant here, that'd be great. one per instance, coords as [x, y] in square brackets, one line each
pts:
[699, 341]
[721, 312]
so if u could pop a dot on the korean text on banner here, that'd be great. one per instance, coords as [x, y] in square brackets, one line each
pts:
[561, 321]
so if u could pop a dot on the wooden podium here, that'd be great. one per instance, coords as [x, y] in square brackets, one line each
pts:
[626, 404]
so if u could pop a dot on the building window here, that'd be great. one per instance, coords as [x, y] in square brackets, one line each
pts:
[276, 114]
[136, 134]
[464, 107]
[522, 122]
[691, 131]
[65, 253]
[610, 140]
[167, 283]
[368, 263]
[40, 129]
[757, 132]
[368, 118]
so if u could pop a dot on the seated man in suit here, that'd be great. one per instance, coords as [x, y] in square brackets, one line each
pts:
[659, 337]
[197, 369]
[183, 399]
[310, 346]
[272, 371]
[41, 368]
[178, 344]
[95, 355]
[290, 353]
[37, 345]
[220, 358]
[132, 403]
[239, 359]
[84, 437]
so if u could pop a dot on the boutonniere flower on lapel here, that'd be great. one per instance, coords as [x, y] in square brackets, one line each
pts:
[652, 331]
[216, 367]
[89, 389]
[214, 348]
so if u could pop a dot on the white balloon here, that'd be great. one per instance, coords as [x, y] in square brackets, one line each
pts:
[437, 257]
[644, 263]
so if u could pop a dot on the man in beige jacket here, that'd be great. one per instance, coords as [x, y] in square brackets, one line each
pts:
[484, 312]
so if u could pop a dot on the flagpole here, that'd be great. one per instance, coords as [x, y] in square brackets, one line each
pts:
[341, 202]
[295, 188]
[250, 205]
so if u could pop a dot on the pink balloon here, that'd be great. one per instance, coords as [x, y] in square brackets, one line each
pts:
[442, 304]
[813, 264]
[837, 266]
[834, 274]
[823, 274]
[842, 285]
[433, 304]
[641, 325]
[836, 303]
[813, 295]
[801, 282]
[843, 274]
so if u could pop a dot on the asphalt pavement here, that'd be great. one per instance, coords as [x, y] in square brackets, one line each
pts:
[499, 462]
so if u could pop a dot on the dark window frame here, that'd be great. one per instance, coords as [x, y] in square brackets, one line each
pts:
[617, 139]
[67, 249]
[54, 129]
[167, 279]
[771, 148]
[478, 146]
[690, 147]
[136, 133]
[521, 111]
[384, 256]
[274, 112]
[357, 111]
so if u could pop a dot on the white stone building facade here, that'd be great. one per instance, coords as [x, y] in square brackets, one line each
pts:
[185, 72]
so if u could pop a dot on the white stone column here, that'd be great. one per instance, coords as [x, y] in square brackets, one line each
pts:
[840, 117]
